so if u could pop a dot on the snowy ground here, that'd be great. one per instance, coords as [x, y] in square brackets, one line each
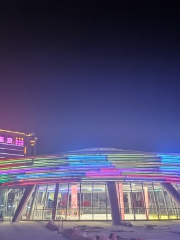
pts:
[27, 231]
[164, 230]
[36, 230]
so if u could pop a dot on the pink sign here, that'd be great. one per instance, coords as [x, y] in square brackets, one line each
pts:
[146, 201]
[119, 190]
[1, 139]
[74, 196]
[19, 141]
[9, 140]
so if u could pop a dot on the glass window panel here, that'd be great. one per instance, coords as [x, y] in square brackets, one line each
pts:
[90, 201]
[99, 201]
[107, 203]
[9, 200]
[62, 201]
[161, 202]
[138, 201]
[150, 202]
[86, 192]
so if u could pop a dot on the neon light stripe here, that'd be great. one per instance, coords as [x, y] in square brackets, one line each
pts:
[123, 166]
[2, 130]
[13, 154]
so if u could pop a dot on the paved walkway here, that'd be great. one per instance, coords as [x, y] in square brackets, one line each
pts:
[167, 230]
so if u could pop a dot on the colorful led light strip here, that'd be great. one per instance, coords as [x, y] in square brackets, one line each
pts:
[96, 164]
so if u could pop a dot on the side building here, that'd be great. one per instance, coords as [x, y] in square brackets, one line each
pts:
[16, 144]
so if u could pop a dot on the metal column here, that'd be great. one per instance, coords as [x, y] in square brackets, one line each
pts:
[24, 200]
[115, 208]
[67, 203]
[172, 192]
[55, 201]
[32, 203]
[79, 200]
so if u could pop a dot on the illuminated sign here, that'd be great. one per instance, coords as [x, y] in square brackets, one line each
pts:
[74, 196]
[2, 140]
[9, 140]
[19, 141]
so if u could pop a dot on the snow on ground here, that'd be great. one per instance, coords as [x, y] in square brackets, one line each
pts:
[27, 231]
[36, 230]
[162, 230]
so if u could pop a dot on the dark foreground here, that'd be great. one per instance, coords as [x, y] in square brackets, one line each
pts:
[37, 230]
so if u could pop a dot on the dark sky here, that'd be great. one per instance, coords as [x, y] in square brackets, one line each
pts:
[91, 73]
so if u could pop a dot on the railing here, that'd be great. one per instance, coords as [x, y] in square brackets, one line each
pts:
[105, 214]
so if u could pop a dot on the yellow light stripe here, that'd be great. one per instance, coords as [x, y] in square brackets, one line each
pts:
[25, 150]
[2, 130]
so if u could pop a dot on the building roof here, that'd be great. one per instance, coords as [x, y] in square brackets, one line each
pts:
[96, 164]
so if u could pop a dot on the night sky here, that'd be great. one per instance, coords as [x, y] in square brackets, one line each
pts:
[91, 74]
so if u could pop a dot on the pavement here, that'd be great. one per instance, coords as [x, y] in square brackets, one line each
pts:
[36, 230]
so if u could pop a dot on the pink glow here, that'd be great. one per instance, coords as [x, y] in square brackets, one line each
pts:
[146, 201]
[9, 140]
[1, 139]
[74, 196]
[19, 141]
[121, 200]
[109, 170]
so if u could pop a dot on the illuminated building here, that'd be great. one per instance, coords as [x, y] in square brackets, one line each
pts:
[16, 144]
[92, 184]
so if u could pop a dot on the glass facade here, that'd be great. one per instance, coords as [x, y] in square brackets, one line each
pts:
[9, 200]
[76, 201]
[90, 201]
